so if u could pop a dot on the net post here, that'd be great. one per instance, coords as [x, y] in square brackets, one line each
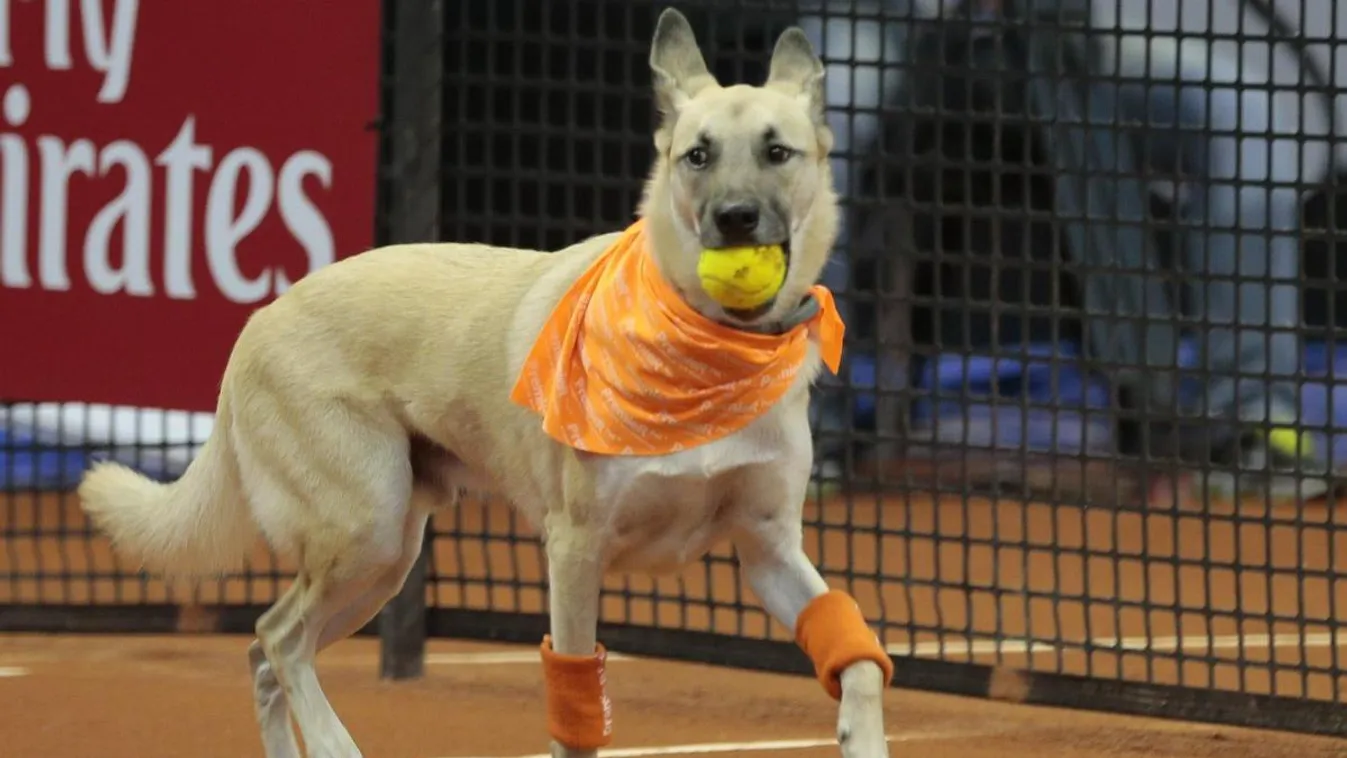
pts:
[410, 188]
[402, 625]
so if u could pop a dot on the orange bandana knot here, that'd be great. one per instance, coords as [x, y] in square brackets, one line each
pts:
[624, 366]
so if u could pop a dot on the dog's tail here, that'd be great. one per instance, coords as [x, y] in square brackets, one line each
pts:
[196, 526]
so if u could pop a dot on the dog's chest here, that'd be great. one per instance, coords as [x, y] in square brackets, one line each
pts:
[666, 511]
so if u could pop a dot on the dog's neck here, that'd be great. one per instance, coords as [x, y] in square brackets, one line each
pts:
[802, 312]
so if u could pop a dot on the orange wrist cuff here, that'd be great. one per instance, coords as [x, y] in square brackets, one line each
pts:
[833, 633]
[579, 714]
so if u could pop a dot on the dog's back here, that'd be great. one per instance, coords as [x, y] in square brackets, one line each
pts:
[389, 342]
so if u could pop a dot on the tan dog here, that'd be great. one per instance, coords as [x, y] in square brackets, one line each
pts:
[377, 387]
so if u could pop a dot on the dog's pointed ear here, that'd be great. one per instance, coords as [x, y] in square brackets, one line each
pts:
[677, 68]
[796, 67]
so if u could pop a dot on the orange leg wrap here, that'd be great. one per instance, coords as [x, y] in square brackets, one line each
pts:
[579, 714]
[833, 633]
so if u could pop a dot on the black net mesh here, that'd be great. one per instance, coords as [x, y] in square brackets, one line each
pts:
[1087, 424]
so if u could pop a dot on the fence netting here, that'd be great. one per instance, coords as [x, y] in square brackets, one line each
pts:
[1083, 445]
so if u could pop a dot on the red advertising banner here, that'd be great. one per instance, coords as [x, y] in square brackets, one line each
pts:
[166, 168]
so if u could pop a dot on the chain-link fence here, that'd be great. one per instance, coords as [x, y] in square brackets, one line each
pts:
[1082, 448]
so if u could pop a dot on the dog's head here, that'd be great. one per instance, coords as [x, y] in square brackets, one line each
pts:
[739, 165]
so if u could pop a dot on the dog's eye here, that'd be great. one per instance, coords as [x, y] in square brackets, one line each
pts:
[697, 157]
[779, 154]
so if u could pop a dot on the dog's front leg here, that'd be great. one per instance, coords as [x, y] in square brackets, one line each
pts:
[851, 664]
[579, 716]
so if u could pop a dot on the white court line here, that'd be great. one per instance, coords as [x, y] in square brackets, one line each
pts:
[1198, 642]
[7, 672]
[708, 748]
[487, 659]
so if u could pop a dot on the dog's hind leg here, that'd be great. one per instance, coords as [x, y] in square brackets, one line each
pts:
[348, 524]
[289, 633]
[272, 707]
[350, 619]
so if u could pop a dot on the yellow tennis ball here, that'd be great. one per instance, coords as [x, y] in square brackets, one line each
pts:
[1288, 441]
[742, 278]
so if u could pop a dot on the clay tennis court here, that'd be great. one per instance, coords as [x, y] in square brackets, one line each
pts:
[190, 694]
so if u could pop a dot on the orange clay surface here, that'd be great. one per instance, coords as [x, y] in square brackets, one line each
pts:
[186, 695]
[190, 694]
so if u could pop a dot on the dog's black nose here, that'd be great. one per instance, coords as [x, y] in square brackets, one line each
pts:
[736, 222]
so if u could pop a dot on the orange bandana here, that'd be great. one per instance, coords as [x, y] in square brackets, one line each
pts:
[624, 366]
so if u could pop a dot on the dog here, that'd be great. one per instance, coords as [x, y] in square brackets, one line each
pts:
[377, 388]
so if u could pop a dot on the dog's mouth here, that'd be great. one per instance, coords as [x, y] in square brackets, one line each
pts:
[749, 315]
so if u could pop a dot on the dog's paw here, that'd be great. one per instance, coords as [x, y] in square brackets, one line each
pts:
[864, 743]
[561, 751]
